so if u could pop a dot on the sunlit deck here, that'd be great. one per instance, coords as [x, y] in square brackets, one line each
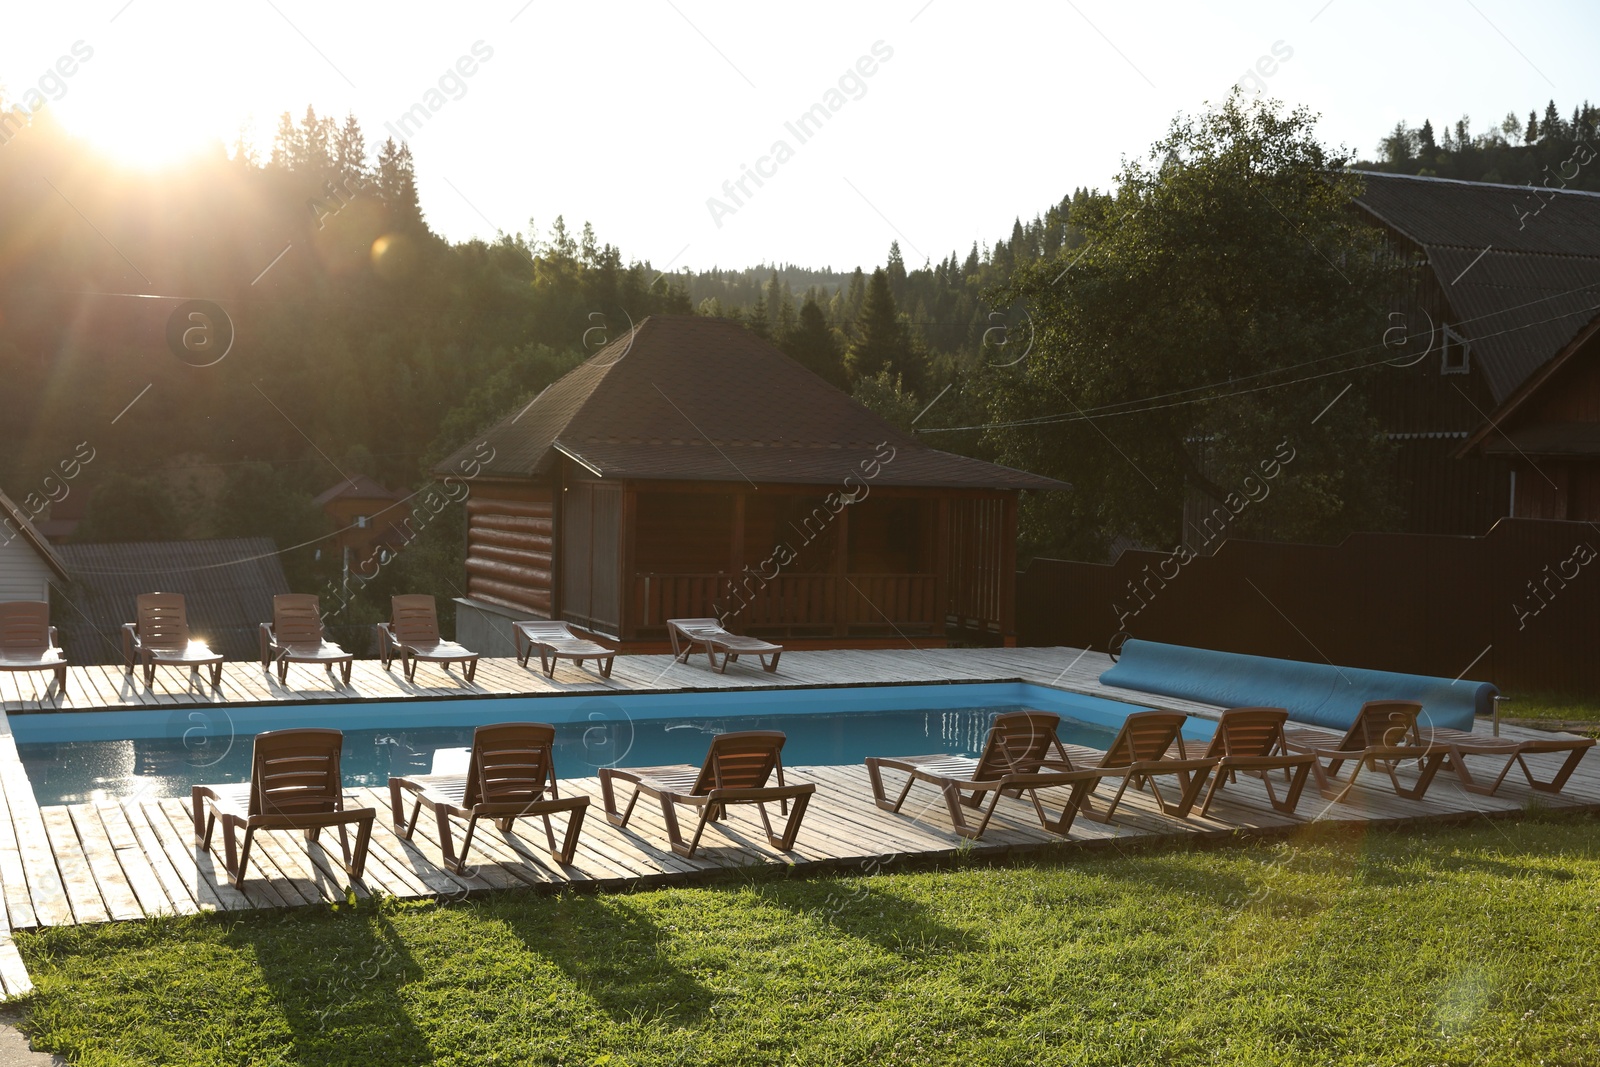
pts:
[137, 857]
[104, 687]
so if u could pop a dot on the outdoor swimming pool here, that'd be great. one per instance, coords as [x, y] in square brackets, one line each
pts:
[78, 756]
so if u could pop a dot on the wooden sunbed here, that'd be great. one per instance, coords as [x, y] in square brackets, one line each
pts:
[511, 774]
[295, 635]
[736, 771]
[28, 641]
[1383, 736]
[160, 638]
[688, 634]
[1463, 743]
[555, 641]
[412, 634]
[1016, 759]
[1250, 741]
[294, 785]
[1139, 756]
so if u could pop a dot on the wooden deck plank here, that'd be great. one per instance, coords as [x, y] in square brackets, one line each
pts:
[189, 862]
[137, 868]
[177, 893]
[82, 893]
[13, 973]
[46, 890]
[116, 888]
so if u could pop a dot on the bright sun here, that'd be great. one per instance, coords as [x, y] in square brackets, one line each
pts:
[127, 135]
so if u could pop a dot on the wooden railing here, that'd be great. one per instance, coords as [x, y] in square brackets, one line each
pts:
[816, 603]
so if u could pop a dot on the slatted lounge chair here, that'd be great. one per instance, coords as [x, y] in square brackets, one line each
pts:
[28, 641]
[555, 641]
[413, 636]
[1139, 756]
[511, 774]
[160, 638]
[1463, 743]
[736, 771]
[688, 634]
[295, 635]
[1016, 759]
[1250, 741]
[294, 785]
[1383, 736]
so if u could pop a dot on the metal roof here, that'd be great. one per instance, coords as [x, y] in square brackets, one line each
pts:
[227, 584]
[1520, 269]
[687, 397]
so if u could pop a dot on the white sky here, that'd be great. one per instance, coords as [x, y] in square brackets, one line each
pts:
[632, 114]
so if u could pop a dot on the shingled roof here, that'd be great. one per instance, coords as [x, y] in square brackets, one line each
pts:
[1521, 271]
[694, 398]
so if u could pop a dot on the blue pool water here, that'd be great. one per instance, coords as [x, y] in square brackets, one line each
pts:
[76, 756]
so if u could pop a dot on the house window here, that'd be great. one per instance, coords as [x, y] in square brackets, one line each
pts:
[362, 521]
[1457, 353]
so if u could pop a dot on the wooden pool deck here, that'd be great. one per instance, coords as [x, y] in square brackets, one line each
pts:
[135, 857]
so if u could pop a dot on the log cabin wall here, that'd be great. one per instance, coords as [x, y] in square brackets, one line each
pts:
[510, 546]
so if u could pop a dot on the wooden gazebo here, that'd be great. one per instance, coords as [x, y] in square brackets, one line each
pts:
[692, 469]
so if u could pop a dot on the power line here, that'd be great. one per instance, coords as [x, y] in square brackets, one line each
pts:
[1132, 407]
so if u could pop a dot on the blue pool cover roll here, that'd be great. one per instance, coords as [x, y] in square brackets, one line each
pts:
[1317, 693]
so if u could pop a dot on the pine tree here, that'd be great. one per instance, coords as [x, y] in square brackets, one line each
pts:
[315, 137]
[759, 323]
[1552, 124]
[856, 294]
[288, 152]
[785, 324]
[397, 185]
[1425, 141]
[350, 155]
[896, 270]
[813, 346]
[776, 294]
[1531, 131]
[880, 342]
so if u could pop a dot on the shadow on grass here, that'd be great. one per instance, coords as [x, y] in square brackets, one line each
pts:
[856, 908]
[337, 979]
[616, 953]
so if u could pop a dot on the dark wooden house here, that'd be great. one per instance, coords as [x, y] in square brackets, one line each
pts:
[691, 469]
[1493, 402]
[366, 517]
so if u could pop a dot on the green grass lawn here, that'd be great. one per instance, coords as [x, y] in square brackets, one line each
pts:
[1474, 946]
[1553, 707]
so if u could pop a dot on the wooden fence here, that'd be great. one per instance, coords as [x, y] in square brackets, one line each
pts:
[1519, 606]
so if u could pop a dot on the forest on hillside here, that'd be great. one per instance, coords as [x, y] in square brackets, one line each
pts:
[1512, 151]
[362, 342]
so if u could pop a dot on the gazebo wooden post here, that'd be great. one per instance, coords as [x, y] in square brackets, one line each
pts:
[629, 607]
[736, 546]
[941, 566]
[1008, 571]
[841, 575]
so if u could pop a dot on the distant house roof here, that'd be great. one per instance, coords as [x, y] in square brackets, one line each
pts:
[356, 487]
[227, 584]
[18, 520]
[1521, 270]
[703, 399]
